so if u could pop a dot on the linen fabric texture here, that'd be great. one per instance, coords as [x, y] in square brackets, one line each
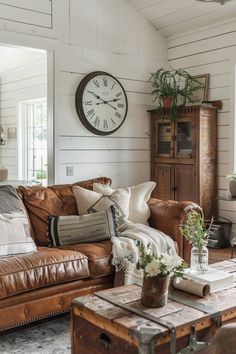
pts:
[74, 229]
[91, 202]
[139, 211]
[14, 224]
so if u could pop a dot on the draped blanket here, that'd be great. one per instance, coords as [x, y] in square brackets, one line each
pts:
[125, 250]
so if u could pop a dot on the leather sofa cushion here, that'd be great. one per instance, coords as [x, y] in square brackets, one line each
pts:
[57, 200]
[46, 267]
[99, 257]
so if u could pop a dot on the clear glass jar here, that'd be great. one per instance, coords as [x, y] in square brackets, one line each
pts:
[199, 259]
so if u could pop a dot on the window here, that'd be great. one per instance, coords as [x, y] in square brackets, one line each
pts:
[33, 142]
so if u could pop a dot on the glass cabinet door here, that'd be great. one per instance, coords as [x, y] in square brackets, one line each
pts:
[184, 140]
[164, 139]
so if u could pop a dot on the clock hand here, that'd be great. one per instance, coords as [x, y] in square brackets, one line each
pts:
[98, 97]
[103, 101]
[106, 102]
[114, 100]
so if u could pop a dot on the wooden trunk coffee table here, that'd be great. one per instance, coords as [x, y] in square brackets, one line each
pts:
[114, 320]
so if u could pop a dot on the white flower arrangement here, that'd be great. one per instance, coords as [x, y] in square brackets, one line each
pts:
[166, 264]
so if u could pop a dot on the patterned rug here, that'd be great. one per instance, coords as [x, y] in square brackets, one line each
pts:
[51, 336]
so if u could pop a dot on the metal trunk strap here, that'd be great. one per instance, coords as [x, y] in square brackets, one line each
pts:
[145, 335]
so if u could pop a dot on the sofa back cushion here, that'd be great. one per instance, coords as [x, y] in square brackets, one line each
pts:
[57, 200]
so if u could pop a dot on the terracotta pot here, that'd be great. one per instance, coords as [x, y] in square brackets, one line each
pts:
[167, 101]
[232, 188]
[155, 291]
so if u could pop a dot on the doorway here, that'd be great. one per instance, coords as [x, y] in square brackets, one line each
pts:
[24, 114]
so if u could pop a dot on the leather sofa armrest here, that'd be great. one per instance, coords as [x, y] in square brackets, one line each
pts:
[167, 215]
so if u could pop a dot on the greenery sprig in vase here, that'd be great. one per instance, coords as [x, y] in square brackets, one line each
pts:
[194, 229]
[171, 83]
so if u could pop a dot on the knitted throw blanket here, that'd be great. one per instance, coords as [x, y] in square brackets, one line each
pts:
[125, 250]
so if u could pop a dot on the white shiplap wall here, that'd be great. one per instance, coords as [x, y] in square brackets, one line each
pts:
[24, 83]
[213, 51]
[109, 36]
[106, 35]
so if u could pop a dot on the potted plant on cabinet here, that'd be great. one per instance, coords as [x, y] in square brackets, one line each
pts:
[231, 178]
[170, 89]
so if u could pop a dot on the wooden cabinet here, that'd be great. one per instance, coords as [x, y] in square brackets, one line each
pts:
[184, 156]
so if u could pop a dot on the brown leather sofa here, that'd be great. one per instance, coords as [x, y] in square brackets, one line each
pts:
[42, 284]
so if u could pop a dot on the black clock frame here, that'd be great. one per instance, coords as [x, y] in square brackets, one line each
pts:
[79, 103]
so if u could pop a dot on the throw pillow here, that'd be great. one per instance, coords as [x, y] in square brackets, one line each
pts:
[71, 229]
[91, 202]
[139, 211]
[14, 225]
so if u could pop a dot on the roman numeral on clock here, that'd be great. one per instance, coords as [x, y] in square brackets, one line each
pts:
[96, 83]
[96, 121]
[88, 103]
[118, 94]
[90, 112]
[105, 81]
[105, 125]
[120, 105]
[118, 115]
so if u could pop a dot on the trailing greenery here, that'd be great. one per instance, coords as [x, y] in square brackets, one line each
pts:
[231, 176]
[172, 83]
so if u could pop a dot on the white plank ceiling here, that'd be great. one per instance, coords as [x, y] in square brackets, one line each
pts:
[173, 17]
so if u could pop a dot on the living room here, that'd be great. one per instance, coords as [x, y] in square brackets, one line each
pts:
[128, 39]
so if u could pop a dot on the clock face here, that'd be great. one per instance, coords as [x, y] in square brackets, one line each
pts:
[101, 103]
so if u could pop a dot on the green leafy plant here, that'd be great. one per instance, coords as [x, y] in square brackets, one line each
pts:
[195, 230]
[172, 83]
[166, 264]
[231, 176]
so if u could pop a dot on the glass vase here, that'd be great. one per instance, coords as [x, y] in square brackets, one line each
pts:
[155, 291]
[199, 259]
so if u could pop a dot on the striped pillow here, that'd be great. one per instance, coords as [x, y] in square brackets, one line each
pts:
[71, 229]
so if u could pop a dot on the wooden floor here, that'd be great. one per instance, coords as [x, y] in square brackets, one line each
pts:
[217, 255]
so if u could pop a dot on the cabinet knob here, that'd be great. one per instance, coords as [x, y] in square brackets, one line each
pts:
[174, 189]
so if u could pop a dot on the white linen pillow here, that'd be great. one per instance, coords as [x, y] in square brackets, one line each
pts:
[139, 211]
[90, 202]
[15, 234]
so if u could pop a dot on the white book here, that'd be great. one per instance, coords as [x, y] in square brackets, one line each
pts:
[217, 279]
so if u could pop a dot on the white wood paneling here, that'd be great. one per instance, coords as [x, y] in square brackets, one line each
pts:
[173, 17]
[25, 16]
[122, 174]
[212, 51]
[83, 32]
[106, 35]
[43, 6]
[105, 143]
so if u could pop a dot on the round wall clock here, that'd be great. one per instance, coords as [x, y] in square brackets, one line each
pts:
[101, 103]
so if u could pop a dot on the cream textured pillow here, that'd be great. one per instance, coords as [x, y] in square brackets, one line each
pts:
[139, 211]
[90, 202]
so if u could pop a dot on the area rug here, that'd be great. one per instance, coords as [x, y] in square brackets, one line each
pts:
[51, 336]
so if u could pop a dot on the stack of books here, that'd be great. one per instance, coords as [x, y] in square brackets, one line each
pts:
[202, 284]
